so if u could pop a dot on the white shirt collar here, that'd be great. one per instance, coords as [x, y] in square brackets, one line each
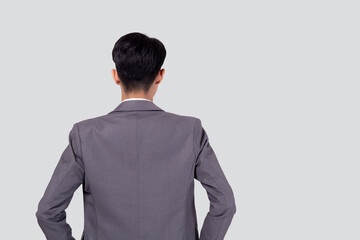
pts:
[129, 99]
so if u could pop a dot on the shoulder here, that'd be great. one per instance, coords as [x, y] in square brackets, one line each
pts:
[91, 122]
[191, 120]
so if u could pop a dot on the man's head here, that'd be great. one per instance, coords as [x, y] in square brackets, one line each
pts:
[138, 60]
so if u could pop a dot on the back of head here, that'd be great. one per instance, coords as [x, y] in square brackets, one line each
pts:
[138, 59]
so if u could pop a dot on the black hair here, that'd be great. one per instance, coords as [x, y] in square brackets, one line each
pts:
[138, 59]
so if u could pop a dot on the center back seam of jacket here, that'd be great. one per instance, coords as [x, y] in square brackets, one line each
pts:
[138, 167]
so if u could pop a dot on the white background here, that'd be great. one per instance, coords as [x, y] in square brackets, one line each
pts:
[275, 83]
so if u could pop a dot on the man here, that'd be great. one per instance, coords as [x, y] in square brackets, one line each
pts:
[137, 164]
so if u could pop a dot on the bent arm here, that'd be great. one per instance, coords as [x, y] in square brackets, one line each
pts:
[209, 173]
[66, 178]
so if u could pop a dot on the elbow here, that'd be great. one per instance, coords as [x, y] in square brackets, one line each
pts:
[230, 207]
[41, 215]
[48, 214]
[41, 211]
[227, 208]
[230, 204]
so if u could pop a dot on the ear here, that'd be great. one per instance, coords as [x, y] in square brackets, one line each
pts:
[160, 76]
[115, 76]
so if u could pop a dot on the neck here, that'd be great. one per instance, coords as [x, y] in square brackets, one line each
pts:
[136, 95]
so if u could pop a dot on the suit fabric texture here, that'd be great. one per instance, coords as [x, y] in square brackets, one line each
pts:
[137, 166]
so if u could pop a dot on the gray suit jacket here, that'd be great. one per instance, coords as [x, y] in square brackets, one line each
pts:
[137, 166]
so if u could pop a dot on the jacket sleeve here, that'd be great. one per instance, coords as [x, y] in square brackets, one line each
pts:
[209, 173]
[66, 178]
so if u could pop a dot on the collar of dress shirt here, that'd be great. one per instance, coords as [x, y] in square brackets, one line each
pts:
[129, 99]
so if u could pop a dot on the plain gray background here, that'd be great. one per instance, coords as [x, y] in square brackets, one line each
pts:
[276, 84]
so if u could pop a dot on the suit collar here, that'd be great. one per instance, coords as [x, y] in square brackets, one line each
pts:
[136, 105]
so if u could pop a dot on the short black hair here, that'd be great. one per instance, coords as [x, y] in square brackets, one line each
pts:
[138, 59]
